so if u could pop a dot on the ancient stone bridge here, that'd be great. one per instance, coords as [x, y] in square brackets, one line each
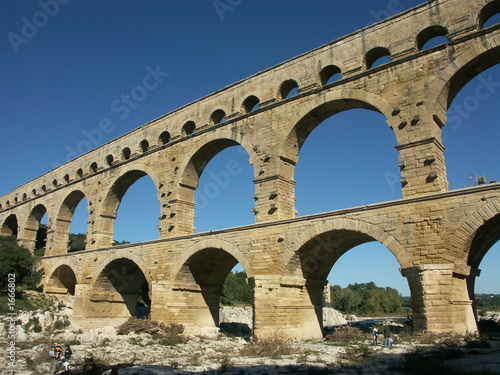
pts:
[439, 237]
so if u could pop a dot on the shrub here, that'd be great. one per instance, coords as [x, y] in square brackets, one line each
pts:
[346, 334]
[272, 346]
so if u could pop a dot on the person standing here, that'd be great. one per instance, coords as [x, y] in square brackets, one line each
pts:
[375, 336]
[387, 336]
[67, 355]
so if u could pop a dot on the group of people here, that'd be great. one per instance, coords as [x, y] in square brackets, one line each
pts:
[56, 353]
[387, 336]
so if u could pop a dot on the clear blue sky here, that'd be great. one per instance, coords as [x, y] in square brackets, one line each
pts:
[62, 68]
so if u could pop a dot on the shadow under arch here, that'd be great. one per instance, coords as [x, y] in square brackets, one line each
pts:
[61, 280]
[33, 237]
[9, 226]
[317, 250]
[121, 290]
[199, 278]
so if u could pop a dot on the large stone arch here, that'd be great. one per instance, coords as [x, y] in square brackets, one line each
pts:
[61, 279]
[141, 264]
[353, 232]
[9, 226]
[475, 236]
[58, 242]
[191, 168]
[30, 233]
[192, 165]
[464, 68]
[120, 290]
[198, 280]
[310, 257]
[214, 243]
[312, 113]
[113, 194]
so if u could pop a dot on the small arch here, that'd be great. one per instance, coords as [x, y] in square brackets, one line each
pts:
[329, 74]
[144, 145]
[16, 200]
[126, 153]
[251, 103]
[431, 37]
[93, 167]
[44, 188]
[164, 137]
[35, 230]
[188, 128]
[9, 226]
[79, 172]
[487, 13]
[25, 197]
[66, 178]
[127, 284]
[34, 192]
[288, 88]
[375, 57]
[62, 281]
[54, 182]
[217, 116]
[109, 160]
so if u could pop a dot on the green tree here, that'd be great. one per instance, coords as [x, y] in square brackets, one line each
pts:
[77, 241]
[235, 290]
[17, 260]
[366, 299]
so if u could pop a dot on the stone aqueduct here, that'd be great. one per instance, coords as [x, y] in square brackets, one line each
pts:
[438, 236]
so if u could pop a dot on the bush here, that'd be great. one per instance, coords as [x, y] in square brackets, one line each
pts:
[17, 260]
[273, 346]
[346, 334]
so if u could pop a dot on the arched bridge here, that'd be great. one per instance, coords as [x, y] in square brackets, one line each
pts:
[438, 236]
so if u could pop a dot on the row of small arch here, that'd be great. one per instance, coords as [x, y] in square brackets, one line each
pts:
[288, 88]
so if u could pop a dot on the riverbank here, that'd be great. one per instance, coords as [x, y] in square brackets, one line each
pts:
[147, 354]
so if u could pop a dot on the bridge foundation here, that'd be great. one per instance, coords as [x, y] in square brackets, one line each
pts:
[440, 301]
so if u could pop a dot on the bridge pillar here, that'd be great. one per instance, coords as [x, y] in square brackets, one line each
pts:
[178, 219]
[58, 240]
[27, 239]
[80, 317]
[290, 307]
[422, 167]
[440, 300]
[274, 199]
[101, 230]
[193, 306]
